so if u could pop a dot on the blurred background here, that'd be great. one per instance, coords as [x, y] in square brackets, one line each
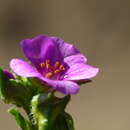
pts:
[101, 30]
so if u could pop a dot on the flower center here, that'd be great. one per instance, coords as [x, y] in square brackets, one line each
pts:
[52, 71]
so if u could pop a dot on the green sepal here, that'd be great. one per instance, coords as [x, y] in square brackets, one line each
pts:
[10, 90]
[19, 94]
[63, 122]
[19, 91]
[21, 121]
[33, 84]
[47, 110]
[4, 83]
[69, 121]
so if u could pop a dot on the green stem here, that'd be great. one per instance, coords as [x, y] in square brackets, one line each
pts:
[45, 112]
[48, 112]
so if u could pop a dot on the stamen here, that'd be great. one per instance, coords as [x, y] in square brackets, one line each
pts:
[47, 64]
[57, 64]
[52, 70]
[49, 75]
[62, 67]
[56, 71]
[42, 65]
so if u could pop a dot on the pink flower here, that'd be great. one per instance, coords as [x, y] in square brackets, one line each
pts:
[54, 62]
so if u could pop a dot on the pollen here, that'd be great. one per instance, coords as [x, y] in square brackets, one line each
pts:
[42, 65]
[48, 64]
[49, 75]
[52, 70]
[57, 64]
[62, 67]
[56, 71]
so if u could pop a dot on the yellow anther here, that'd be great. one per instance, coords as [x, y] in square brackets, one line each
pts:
[49, 75]
[57, 64]
[47, 64]
[42, 65]
[56, 71]
[62, 67]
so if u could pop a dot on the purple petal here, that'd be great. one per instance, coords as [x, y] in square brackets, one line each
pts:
[66, 49]
[80, 72]
[65, 87]
[78, 58]
[22, 68]
[39, 49]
